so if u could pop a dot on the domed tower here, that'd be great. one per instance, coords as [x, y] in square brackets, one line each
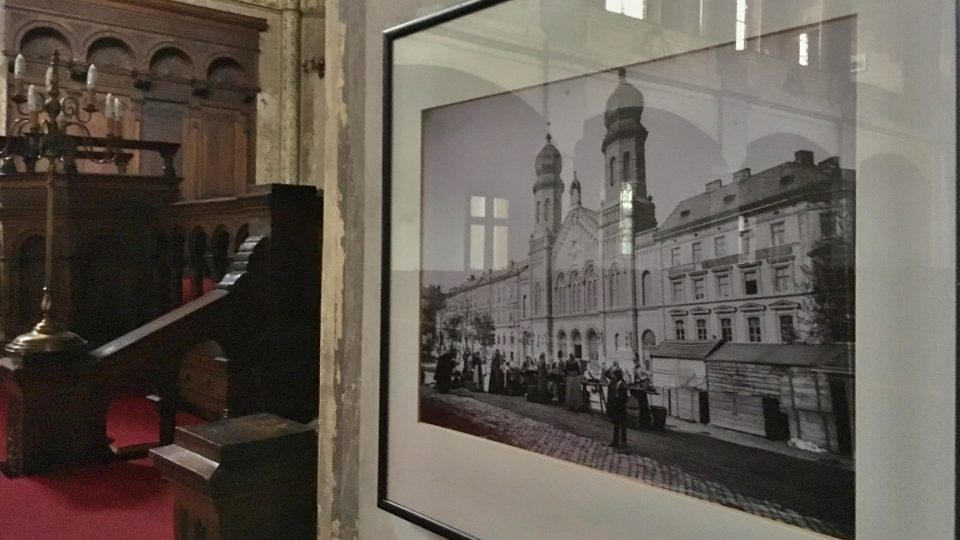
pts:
[624, 155]
[547, 189]
[575, 192]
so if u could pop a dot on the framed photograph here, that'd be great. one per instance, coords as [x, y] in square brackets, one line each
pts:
[654, 268]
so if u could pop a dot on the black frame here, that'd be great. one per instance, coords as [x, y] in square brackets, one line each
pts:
[389, 36]
[412, 27]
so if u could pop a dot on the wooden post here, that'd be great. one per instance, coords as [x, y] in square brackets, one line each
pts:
[248, 477]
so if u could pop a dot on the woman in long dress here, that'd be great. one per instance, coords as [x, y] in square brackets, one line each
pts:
[542, 395]
[496, 373]
[573, 386]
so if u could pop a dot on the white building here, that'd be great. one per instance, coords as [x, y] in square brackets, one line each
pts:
[605, 284]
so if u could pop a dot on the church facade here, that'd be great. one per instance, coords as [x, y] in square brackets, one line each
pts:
[610, 284]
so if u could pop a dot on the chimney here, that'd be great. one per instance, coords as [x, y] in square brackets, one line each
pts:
[715, 185]
[804, 158]
[741, 175]
[832, 166]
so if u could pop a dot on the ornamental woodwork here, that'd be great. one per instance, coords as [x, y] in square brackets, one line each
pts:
[188, 75]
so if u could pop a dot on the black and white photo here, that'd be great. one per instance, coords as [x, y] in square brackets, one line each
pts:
[649, 271]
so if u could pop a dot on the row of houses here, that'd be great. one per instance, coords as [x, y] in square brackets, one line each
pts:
[777, 391]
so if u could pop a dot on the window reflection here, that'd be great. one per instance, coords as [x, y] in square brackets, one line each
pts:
[631, 8]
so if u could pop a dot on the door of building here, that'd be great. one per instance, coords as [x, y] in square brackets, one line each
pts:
[775, 422]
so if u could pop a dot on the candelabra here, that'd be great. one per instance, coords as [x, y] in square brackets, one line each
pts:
[42, 131]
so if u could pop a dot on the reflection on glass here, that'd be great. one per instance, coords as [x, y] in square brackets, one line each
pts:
[476, 247]
[741, 34]
[804, 54]
[501, 208]
[626, 219]
[478, 207]
[631, 8]
[500, 243]
[653, 218]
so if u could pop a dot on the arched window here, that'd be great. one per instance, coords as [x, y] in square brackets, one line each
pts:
[559, 293]
[171, 62]
[645, 287]
[618, 287]
[649, 341]
[524, 308]
[537, 215]
[574, 304]
[546, 211]
[591, 289]
[613, 163]
[593, 345]
[626, 166]
[613, 287]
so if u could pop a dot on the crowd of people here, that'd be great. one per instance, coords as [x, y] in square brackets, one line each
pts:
[566, 382]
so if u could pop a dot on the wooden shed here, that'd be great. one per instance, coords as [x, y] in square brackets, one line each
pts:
[680, 376]
[784, 391]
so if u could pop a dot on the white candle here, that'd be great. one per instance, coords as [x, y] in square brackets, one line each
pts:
[32, 98]
[92, 76]
[19, 66]
[117, 109]
[49, 78]
[108, 107]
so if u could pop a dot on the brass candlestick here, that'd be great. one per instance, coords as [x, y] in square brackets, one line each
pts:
[48, 137]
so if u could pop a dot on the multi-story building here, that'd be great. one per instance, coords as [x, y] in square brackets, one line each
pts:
[605, 285]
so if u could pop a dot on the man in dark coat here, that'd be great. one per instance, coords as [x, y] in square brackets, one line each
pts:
[617, 396]
[444, 371]
[497, 383]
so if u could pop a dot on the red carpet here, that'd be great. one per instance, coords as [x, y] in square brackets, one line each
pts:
[119, 501]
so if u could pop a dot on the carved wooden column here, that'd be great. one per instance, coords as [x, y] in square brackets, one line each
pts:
[56, 417]
[249, 477]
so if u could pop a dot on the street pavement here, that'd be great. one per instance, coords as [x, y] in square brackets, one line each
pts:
[812, 495]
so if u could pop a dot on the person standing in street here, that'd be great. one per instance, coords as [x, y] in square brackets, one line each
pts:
[497, 383]
[573, 386]
[444, 371]
[542, 394]
[478, 366]
[617, 396]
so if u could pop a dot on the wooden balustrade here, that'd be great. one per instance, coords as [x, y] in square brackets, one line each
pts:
[87, 148]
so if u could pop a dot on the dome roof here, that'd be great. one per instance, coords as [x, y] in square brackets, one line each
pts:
[625, 101]
[548, 160]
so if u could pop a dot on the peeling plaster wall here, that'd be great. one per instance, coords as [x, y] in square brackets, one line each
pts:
[312, 110]
[364, 48]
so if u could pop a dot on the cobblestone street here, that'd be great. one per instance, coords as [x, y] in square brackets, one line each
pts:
[811, 495]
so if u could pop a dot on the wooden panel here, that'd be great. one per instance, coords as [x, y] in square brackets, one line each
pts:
[202, 384]
[162, 121]
[688, 404]
[737, 412]
[820, 429]
[224, 143]
[807, 391]
[754, 379]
